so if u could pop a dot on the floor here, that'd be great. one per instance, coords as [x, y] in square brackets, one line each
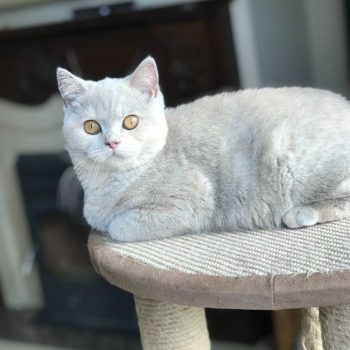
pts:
[15, 345]
[20, 330]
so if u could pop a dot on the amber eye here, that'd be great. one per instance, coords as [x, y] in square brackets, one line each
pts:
[130, 122]
[92, 127]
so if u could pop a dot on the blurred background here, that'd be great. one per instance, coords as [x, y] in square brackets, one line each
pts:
[50, 296]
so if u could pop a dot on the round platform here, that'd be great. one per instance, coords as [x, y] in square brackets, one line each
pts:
[277, 269]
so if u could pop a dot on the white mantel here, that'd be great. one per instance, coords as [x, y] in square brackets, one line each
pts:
[23, 130]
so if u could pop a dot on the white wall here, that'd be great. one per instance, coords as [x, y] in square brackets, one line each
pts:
[328, 41]
[281, 43]
[292, 42]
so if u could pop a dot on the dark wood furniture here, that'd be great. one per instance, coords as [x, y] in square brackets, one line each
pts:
[192, 44]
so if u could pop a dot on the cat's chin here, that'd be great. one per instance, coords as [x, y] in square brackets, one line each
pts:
[119, 163]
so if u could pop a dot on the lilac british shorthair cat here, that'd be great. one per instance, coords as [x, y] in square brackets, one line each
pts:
[258, 158]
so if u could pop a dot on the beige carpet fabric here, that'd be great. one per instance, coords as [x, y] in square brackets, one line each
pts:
[321, 248]
[275, 269]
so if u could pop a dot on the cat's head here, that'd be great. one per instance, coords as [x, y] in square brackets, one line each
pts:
[119, 123]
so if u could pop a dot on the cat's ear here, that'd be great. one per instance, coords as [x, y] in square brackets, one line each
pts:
[70, 86]
[145, 77]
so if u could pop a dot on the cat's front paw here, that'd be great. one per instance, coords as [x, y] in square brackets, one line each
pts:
[129, 227]
[301, 217]
[121, 232]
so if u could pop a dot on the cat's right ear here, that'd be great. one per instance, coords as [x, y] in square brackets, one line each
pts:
[145, 77]
[70, 86]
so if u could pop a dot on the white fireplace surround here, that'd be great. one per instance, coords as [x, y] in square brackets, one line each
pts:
[23, 130]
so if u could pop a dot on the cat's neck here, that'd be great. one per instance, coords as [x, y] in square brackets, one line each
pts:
[99, 177]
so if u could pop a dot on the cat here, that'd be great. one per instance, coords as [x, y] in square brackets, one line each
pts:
[251, 159]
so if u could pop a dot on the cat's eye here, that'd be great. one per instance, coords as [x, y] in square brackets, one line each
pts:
[130, 122]
[92, 127]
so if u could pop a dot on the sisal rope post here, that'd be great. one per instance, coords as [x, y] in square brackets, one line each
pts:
[335, 325]
[311, 329]
[165, 326]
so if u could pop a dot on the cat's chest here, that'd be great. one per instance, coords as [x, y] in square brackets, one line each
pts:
[102, 202]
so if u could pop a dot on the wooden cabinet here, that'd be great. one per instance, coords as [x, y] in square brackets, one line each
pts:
[191, 43]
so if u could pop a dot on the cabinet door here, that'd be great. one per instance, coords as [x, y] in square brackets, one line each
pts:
[28, 70]
[112, 53]
[183, 53]
[192, 45]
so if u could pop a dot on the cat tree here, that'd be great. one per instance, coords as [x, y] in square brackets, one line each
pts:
[173, 280]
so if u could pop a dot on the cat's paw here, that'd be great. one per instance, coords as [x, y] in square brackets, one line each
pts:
[120, 231]
[301, 217]
[129, 227]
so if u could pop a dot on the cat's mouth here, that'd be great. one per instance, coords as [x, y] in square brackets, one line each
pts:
[114, 149]
[115, 153]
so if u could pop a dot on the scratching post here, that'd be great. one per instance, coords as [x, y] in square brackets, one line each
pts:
[311, 330]
[165, 326]
[175, 278]
[335, 326]
[326, 328]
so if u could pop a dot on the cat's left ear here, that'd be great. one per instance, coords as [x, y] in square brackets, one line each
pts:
[145, 77]
[70, 86]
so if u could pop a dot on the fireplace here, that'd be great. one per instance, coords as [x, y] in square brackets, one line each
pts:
[73, 293]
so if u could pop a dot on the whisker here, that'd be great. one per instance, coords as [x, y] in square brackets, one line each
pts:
[83, 168]
[91, 172]
[96, 172]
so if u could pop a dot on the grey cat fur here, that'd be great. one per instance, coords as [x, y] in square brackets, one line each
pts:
[250, 159]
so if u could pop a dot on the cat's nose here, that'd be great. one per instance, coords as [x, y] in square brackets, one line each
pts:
[112, 144]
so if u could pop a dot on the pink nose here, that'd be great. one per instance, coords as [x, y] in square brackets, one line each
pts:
[112, 144]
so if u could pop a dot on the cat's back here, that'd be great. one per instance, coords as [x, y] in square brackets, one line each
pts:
[258, 112]
[259, 126]
[264, 103]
